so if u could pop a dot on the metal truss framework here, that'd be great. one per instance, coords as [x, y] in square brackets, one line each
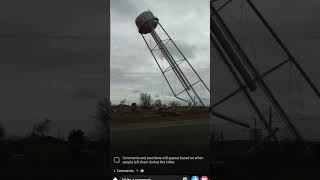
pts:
[173, 66]
[218, 29]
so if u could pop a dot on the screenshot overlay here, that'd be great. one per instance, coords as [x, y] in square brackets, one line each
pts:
[160, 89]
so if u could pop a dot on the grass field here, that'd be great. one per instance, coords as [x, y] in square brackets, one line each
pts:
[30, 159]
[141, 116]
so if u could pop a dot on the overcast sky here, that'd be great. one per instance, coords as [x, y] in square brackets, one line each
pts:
[133, 69]
[53, 63]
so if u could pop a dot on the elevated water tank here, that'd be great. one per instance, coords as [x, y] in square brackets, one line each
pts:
[146, 22]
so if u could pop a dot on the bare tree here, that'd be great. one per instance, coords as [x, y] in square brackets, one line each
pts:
[134, 106]
[173, 104]
[123, 102]
[76, 140]
[145, 100]
[158, 103]
[76, 135]
[102, 117]
[42, 127]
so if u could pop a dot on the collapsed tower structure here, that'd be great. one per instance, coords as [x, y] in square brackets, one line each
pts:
[147, 24]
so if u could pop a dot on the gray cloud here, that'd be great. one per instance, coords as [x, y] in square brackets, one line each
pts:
[53, 62]
[124, 8]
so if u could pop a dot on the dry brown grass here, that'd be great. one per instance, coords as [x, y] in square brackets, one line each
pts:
[155, 116]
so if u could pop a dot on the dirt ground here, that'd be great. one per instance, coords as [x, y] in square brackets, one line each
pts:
[140, 116]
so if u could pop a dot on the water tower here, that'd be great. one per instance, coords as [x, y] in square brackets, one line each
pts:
[170, 59]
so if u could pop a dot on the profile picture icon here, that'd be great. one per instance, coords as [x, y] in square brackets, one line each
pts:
[204, 178]
[194, 178]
